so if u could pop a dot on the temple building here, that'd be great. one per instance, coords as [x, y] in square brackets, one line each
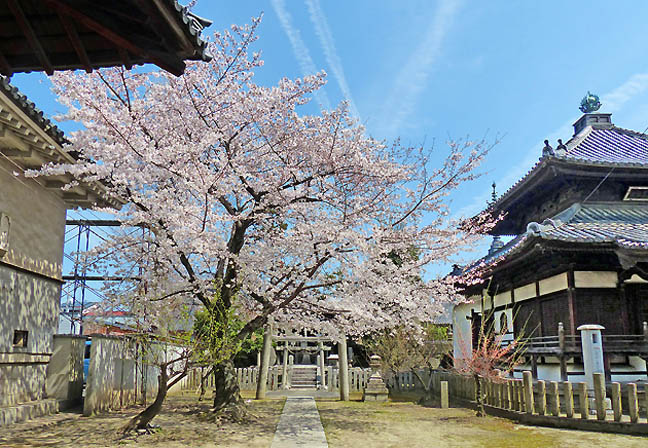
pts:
[578, 255]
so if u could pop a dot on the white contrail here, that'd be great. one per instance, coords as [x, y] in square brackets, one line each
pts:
[328, 45]
[300, 50]
[612, 101]
[414, 75]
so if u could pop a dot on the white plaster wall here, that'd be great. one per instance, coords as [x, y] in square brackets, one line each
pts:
[525, 292]
[595, 279]
[65, 369]
[553, 284]
[503, 298]
[462, 331]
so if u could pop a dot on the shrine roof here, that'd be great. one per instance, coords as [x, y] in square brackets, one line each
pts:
[620, 225]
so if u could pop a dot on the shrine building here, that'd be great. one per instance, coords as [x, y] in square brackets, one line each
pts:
[578, 255]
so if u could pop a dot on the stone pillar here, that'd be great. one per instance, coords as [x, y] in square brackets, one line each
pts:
[262, 382]
[569, 399]
[284, 373]
[321, 366]
[527, 378]
[344, 369]
[633, 403]
[592, 346]
[616, 401]
[555, 400]
[444, 395]
[583, 400]
[600, 395]
[542, 398]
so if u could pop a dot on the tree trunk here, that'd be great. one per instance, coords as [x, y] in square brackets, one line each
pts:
[226, 387]
[481, 412]
[142, 420]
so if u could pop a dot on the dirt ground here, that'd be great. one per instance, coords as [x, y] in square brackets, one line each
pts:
[405, 424]
[182, 425]
[347, 425]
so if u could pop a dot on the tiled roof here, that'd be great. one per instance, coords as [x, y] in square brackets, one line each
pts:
[604, 147]
[608, 146]
[625, 225]
[30, 110]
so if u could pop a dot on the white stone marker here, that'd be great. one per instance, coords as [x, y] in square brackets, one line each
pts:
[592, 344]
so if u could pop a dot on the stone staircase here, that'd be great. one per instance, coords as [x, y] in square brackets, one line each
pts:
[303, 377]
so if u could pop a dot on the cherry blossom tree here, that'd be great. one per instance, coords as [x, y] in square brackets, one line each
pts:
[254, 207]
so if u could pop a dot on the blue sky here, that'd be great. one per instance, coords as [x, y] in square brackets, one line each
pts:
[431, 70]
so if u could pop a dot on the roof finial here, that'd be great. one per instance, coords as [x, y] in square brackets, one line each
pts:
[493, 194]
[590, 103]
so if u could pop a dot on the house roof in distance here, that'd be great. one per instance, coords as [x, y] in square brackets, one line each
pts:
[49, 35]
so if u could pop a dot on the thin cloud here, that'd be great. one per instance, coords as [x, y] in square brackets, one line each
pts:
[413, 77]
[613, 101]
[302, 54]
[328, 45]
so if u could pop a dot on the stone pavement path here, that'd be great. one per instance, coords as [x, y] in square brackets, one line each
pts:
[300, 425]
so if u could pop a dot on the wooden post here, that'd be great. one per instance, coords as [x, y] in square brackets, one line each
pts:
[527, 379]
[344, 369]
[569, 399]
[262, 381]
[516, 403]
[534, 366]
[444, 395]
[583, 400]
[599, 395]
[645, 388]
[563, 358]
[633, 404]
[555, 400]
[616, 401]
[520, 392]
[542, 398]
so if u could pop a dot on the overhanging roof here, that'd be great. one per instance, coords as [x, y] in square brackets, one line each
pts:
[49, 35]
[595, 153]
[615, 226]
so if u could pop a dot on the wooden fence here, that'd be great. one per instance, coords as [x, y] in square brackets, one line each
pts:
[248, 376]
[611, 402]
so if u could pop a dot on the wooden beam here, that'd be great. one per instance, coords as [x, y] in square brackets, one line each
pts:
[123, 55]
[29, 33]
[5, 68]
[106, 26]
[73, 36]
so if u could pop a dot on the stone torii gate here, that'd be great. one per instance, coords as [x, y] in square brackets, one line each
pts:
[300, 343]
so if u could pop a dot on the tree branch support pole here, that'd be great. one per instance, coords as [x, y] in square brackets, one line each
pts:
[321, 366]
[344, 369]
[262, 382]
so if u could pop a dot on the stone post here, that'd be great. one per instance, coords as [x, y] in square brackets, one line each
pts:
[599, 395]
[541, 406]
[633, 404]
[262, 382]
[555, 401]
[616, 401]
[444, 395]
[284, 373]
[527, 378]
[321, 366]
[569, 399]
[583, 400]
[592, 347]
[344, 369]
